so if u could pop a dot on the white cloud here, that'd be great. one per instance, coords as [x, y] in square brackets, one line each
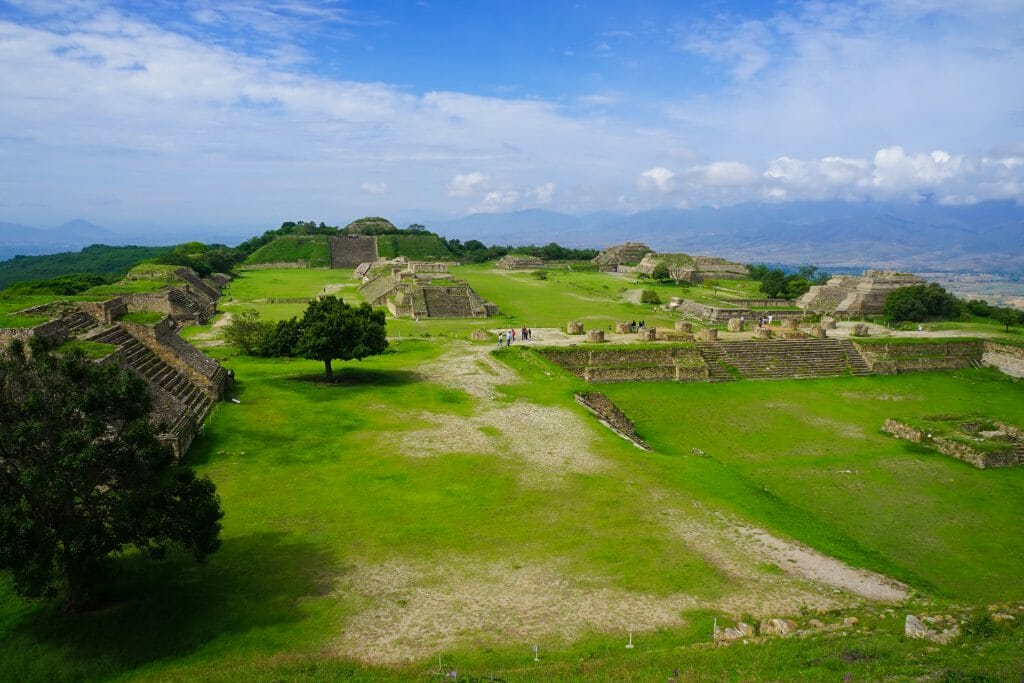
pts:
[543, 194]
[497, 201]
[896, 171]
[376, 189]
[723, 174]
[465, 184]
[658, 179]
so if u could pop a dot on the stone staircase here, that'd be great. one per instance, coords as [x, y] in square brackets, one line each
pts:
[781, 359]
[78, 322]
[447, 302]
[141, 359]
[200, 312]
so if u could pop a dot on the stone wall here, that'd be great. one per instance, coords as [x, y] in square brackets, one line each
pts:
[717, 315]
[108, 311]
[942, 354]
[350, 250]
[516, 262]
[611, 415]
[1013, 454]
[1006, 358]
[671, 363]
[856, 296]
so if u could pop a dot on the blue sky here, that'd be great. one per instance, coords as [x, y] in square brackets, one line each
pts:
[243, 112]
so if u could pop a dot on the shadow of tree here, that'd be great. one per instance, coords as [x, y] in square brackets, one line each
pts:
[164, 610]
[358, 377]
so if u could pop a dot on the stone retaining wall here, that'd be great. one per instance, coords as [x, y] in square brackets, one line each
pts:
[1006, 358]
[942, 354]
[982, 460]
[716, 314]
[611, 415]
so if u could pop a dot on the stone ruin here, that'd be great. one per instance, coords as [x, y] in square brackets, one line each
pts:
[975, 440]
[693, 269]
[348, 251]
[611, 416]
[411, 289]
[627, 255]
[852, 295]
[184, 383]
[520, 262]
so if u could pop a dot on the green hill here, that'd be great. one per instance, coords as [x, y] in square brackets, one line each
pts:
[108, 262]
[291, 248]
[413, 247]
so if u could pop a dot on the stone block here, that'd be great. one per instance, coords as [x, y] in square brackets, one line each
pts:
[708, 334]
[777, 627]
[622, 328]
[647, 334]
[595, 335]
[735, 325]
[574, 327]
[860, 330]
[828, 323]
[762, 333]
[684, 326]
[788, 324]
[818, 332]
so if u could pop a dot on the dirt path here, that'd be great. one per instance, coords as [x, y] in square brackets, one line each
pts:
[551, 439]
[414, 608]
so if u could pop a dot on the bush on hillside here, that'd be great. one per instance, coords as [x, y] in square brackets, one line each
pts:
[649, 296]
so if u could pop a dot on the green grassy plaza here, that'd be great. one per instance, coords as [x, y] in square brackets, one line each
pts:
[447, 506]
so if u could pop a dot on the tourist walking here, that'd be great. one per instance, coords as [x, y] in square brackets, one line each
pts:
[501, 339]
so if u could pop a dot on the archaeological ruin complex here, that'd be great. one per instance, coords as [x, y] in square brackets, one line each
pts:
[185, 383]
[637, 257]
[411, 289]
[851, 295]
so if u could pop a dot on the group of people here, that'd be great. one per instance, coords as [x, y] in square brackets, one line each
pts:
[766, 321]
[635, 326]
[506, 338]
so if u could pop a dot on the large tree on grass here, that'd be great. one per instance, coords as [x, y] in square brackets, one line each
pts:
[83, 475]
[333, 330]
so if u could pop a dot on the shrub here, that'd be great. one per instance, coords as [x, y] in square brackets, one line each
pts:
[540, 274]
[649, 296]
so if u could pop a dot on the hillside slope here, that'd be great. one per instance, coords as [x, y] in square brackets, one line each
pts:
[99, 259]
[292, 248]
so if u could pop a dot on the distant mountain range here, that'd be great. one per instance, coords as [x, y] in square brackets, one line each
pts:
[984, 237]
[926, 236]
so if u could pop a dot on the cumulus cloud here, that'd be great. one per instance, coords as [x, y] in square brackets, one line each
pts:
[466, 184]
[723, 174]
[658, 179]
[497, 201]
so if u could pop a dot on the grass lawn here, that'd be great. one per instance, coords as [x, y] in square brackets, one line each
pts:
[445, 507]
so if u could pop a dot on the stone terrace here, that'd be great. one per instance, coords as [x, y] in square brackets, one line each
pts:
[782, 359]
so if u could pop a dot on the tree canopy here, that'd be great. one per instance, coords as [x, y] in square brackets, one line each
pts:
[330, 329]
[920, 302]
[83, 475]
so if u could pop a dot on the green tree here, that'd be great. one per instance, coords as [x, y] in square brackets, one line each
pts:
[661, 272]
[83, 475]
[247, 331]
[333, 330]
[920, 302]
[774, 284]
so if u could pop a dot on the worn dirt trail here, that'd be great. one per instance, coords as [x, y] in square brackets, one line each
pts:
[415, 608]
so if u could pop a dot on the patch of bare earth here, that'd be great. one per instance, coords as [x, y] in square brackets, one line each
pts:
[550, 439]
[742, 551]
[422, 609]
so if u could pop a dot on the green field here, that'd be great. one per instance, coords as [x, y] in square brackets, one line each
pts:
[291, 248]
[413, 247]
[447, 506]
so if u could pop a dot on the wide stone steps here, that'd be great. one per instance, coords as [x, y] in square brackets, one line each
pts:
[79, 322]
[143, 361]
[781, 359]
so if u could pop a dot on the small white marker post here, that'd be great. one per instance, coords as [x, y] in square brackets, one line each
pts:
[629, 645]
[536, 651]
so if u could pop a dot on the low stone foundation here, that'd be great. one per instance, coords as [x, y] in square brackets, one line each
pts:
[574, 327]
[1006, 358]
[611, 416]
[596, 336]
[941, 354]
[1011, 454]
[684, 326]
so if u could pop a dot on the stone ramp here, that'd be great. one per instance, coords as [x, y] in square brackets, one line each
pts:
[782, 359]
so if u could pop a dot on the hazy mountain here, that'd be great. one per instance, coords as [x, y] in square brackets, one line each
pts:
[984, 237]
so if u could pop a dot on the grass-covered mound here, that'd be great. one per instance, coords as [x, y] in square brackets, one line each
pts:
[413, 247]
[312, 249]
